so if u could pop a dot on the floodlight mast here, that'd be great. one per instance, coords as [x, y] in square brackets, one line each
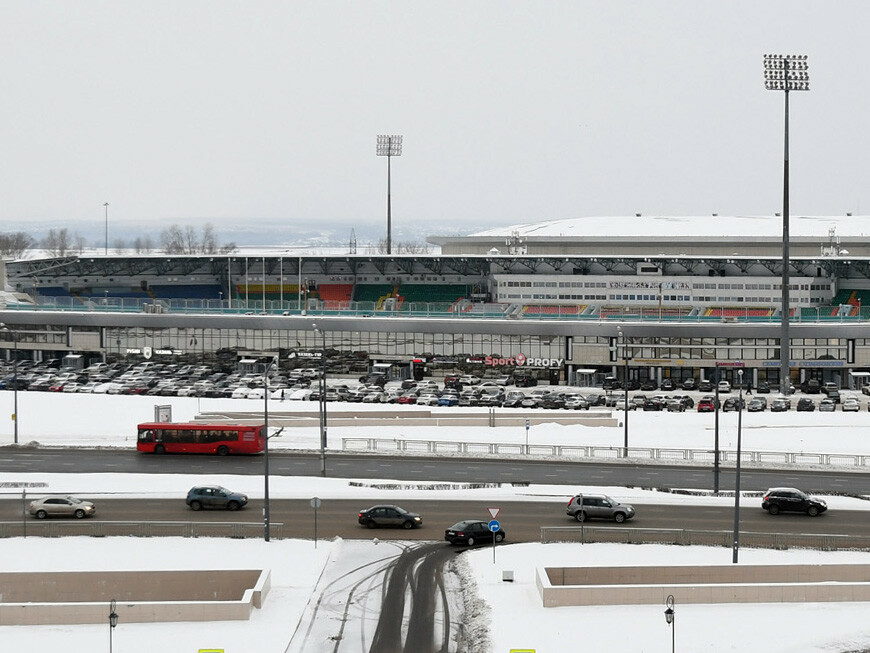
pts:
[389, 146]
[785, 72]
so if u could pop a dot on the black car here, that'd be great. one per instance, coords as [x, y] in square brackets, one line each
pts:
[215, 496]
[689, 384]
[649, 385]
[705, 386]
[788, 499]
[522, 381]
[763, 388]
[471, 532]
[834, 395]
[552, 400]
[388, 515]
[733, 403]
[653, 404]
[806, 405]
[668, 385]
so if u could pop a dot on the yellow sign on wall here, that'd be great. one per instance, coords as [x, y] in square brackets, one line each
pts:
[211, 650]
[522, 650]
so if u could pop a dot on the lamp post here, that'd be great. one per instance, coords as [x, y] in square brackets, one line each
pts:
[389, 146]
[623, 339]
[274, 363]
[106, 206]
[716, 433]
[14, 335]
[670, 617]
[322, 398]
[113, 621]
[737, 480]
[785, 72]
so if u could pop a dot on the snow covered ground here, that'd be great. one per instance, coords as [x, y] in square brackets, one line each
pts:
[514, 617]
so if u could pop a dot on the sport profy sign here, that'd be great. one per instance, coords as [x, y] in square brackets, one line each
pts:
[521, 360]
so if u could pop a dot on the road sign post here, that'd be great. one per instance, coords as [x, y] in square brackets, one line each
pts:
[527, 435]
[494, 528]
[315, 503]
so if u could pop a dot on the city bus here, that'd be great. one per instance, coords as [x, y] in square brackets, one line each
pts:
[220, 439]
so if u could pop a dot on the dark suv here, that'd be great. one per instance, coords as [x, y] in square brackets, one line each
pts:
[215, 496]
[389, 516]
[788, 499]
[598, 506]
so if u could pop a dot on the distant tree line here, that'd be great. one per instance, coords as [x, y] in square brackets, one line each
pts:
[173, 240]
[403, 247]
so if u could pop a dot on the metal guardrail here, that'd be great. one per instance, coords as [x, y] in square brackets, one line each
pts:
[93, 528]
[657, 454]
[749, 539]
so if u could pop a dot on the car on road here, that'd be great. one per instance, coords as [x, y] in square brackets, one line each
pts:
[598, 506]
[471, 532]
[389, 515]
[61, 507]
[215, 496]
[789, 499]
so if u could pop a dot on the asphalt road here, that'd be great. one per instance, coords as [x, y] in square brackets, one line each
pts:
[411, 468]
[521, 520]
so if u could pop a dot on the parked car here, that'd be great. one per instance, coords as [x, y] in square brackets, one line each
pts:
[757, 405]
[705, 386]
[811, 387]
[789, 499]
[61, 507]
[829, 387]
[851, 405]
[780, 404]
[676, 406]
[763, 387]
[834, 395]
[576, 402]
[524, 381]
[827, 406]
[706, 405]
[598, 506]
[649, 385]
[668, 385]
[806, 405]
[689, 384]
[215, 496]
[724, 386]
[733, 403]
[389, 515]
[471, 532]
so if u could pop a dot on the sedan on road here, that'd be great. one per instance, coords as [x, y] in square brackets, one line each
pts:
[389, 516]
[215, 496]
[789, 499]
[61, 507]
[471, 532]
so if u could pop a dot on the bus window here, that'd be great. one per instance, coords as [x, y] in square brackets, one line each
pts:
[146, 435]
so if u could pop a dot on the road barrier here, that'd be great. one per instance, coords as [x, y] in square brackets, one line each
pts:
[92, 528]
[623, 535]
[656, 454]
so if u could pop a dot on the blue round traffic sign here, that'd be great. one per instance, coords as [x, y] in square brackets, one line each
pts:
[494, 526]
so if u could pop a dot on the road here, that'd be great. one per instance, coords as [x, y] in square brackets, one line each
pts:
[415, 468]
[522, 520]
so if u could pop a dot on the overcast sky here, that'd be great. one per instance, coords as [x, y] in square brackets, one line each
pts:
[511, 111]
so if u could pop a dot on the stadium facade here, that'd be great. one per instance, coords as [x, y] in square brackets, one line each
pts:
[674, 295]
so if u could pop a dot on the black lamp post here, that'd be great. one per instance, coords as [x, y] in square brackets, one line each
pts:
[322, 398]
[266, 532]
[670, 616]
[737, 480]
[113, 621]
[716, 433]
[624, 341]
[389, 146]
[14, 335]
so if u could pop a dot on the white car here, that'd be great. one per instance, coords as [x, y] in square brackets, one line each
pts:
[240, 393]
[427, 400]
[851, 405]
[724, 386]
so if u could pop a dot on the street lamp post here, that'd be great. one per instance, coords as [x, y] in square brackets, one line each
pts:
[113, 621]
[266, 529]
[737, 479]
[716, 434]
[785, 72]
[623, 339]
[670, 617]
[389, 146]
[322, 398]
[14, 335]
[106, 206]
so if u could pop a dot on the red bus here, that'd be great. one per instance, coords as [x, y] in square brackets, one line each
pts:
[220, 439]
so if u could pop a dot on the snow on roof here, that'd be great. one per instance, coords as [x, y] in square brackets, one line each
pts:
[688, 226]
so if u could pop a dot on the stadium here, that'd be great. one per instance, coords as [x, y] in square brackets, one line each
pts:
[578, 300]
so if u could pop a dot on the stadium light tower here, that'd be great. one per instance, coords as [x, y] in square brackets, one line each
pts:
[785, 72]
[389, 146]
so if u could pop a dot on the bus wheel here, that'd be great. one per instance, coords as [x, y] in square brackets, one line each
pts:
[222, 450]
[159, 449]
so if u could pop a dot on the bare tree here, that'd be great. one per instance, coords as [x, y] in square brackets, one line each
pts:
[172, 240]
[14, 245]
[229, 248]
[399, 247]
[119, 245]
[209, 239]
[57, 242]
[80, 243]
[191, 240]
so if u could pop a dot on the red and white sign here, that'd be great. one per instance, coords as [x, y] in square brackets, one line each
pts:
[493, 512]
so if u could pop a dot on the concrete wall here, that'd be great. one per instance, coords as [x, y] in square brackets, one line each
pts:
[30, 598]
[561, 586]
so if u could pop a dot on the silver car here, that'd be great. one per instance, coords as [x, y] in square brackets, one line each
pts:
[598, 506]
[61, 507]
